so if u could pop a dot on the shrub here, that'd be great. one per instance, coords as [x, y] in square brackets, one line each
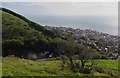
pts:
[96, 54]
[86, 71]
[103, 56]
[98, 69]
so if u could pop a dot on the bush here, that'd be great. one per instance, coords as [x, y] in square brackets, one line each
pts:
[86, 71]
[96, 54]
[103, 56]
[13, 44]
[65, 62]
[98, 69]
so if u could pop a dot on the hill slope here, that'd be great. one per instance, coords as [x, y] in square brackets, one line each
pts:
[20, 34]
[30, 23]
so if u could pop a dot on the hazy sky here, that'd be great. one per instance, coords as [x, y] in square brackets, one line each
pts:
[100, 16]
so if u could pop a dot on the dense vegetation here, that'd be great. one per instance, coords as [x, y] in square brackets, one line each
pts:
[18, 35]
[21, 37]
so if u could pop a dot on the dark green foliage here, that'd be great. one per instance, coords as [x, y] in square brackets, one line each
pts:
[98, 69]
[13, 43]
[70, 49]
[15, 29]
[96, 54]
[12, 46]
[104, 57]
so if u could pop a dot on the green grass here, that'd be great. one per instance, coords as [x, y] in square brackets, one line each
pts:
[108, 64]
[13, 66]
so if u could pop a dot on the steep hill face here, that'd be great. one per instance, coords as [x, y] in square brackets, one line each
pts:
[19, 33]
[30, 23]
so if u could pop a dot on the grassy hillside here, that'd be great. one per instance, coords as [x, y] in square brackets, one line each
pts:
[30, 23]
[13, 66]
[19, 33]
[13, 26]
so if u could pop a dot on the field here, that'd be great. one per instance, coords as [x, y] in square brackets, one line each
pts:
[13, 66]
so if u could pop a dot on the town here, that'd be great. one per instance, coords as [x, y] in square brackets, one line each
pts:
[95, 40]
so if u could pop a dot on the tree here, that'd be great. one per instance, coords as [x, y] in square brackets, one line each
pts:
[12, 47]
[70, 48]
[84, 54]
[64, 47]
